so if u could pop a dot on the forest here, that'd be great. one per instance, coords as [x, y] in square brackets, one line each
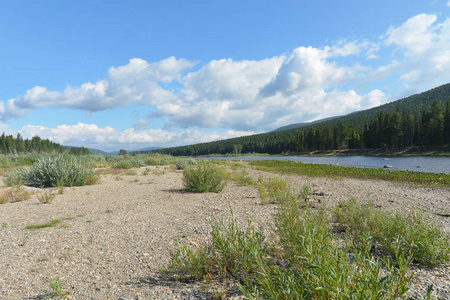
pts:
[15, 145]
[421, 120]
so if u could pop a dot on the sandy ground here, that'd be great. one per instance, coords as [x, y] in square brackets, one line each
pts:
[114, 237]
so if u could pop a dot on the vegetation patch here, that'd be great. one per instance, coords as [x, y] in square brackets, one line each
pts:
[317, 170]
[53, 171]
[391, 232]
[242, 178]
[46, 197]
[204, 178]
[14, 194]
[43, 225]
[273, 190]
[182, 164]
[303, 261]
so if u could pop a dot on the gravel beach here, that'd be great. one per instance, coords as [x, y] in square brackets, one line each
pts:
[113, 237]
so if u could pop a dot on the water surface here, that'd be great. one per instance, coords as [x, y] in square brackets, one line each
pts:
[412, 163]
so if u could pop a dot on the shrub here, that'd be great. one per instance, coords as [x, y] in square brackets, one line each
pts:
[204, 178]
[184, 163]
[125, 164]
[17, 177]
[52, 171]
[423, 238]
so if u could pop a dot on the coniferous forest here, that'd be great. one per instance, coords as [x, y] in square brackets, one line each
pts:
[12, 145]
[422, 120]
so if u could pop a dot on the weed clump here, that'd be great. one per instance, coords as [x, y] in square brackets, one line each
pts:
[204, 178]
[46, 198]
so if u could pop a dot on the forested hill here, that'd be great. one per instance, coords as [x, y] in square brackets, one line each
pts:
[418, 120]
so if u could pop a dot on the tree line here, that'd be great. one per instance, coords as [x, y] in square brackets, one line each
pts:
[398, 129]
[15, 145]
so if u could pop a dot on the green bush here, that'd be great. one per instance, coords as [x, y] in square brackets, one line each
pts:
[52, 171]
[427, 243]
[17, 177]
[184, 163]
[204, 178]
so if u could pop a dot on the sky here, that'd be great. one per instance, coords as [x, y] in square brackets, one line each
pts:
[133, 74]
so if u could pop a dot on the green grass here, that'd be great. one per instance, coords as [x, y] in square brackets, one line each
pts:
[317, 170]
[43, 225]
[272, 191]
[241, 178]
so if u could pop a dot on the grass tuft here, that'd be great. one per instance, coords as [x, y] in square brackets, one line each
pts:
[46, 198]
[43, 225]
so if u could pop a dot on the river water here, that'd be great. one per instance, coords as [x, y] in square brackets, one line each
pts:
[412, 163]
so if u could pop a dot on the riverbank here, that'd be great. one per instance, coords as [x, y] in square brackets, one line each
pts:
[385, 152]
[112, 238]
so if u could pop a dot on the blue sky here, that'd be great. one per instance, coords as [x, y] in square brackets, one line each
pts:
[135, 74]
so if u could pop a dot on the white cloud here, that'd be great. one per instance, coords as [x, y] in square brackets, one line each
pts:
[109, 139]
[309, 68]
[416, 34]
[448, 3]
[137, 81]
[426, 62]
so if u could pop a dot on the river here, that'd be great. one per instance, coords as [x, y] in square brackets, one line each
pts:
[413, 163]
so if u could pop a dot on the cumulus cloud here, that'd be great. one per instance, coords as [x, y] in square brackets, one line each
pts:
[109, 139]
[416, 34]
[426, 44]
[309, 68]
[138, 81]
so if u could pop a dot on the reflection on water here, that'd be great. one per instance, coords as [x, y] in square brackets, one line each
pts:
[412, 163]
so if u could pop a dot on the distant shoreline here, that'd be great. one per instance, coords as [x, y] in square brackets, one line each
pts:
[404, 152]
